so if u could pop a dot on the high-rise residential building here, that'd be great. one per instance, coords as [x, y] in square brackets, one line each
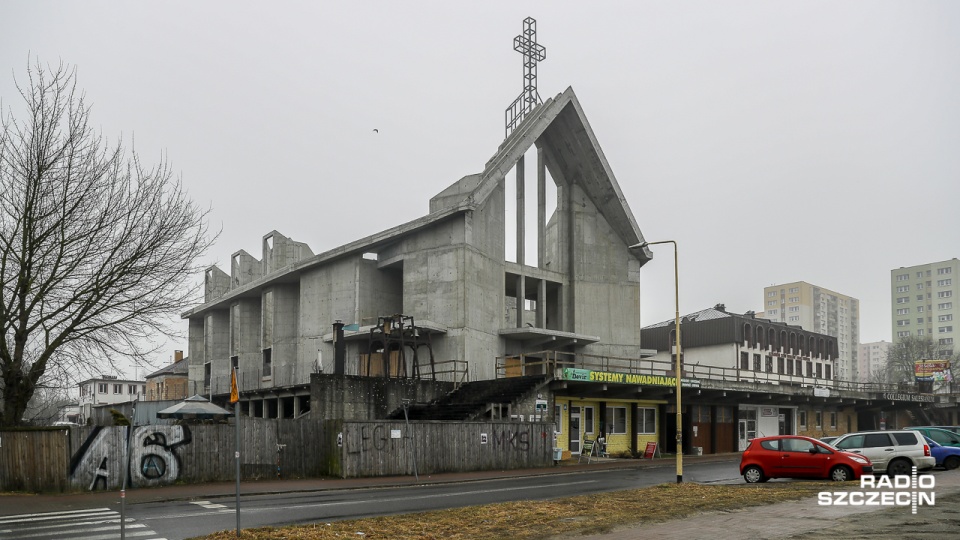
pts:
[816, 309]
[871, 360]
[924, 302]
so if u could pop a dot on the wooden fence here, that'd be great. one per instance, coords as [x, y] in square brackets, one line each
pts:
[383, 448]
[34, 460]
[91, 458]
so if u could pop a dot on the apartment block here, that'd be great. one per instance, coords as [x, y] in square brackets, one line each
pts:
[820, 310]
[924, 303]
[871, 360]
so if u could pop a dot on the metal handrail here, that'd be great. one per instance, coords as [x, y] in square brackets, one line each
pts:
[550, 362]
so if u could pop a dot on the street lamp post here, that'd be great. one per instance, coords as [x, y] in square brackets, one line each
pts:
[677, 367]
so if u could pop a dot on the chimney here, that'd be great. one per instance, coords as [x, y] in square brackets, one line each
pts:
[177, 356]
[339, 349]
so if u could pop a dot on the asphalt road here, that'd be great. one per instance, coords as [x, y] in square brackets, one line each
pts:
[183, 519]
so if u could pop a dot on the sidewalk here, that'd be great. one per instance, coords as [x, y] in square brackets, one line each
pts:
[20, 504]
[807, 519]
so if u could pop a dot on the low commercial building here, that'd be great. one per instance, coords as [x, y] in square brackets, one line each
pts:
[723, 356]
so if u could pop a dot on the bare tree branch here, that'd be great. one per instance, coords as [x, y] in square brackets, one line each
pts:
[96, 248]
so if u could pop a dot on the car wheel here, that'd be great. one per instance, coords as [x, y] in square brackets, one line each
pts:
[841, 473]
[898, 467]
[754, 474]
[951, 463]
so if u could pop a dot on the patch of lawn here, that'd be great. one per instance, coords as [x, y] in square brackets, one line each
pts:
[594, 513]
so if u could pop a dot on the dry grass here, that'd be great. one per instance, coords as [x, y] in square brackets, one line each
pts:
[544, 519]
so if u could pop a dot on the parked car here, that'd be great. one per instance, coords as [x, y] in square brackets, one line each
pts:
[893, 452]
[947, 457]
[795, 456]
[942, 436]
[828, 440]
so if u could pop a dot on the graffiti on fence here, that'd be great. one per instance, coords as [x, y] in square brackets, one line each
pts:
[99, 463]
[511, 440]
[153, 461]
[375, 438]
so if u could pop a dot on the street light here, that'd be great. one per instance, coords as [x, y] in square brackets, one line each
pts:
[676, 291]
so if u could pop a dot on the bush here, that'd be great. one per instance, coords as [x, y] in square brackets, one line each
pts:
[118, 418]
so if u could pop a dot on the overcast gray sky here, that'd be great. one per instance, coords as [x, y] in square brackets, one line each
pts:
[774, 141]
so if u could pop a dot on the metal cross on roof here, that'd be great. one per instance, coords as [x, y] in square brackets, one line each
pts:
[533, 52]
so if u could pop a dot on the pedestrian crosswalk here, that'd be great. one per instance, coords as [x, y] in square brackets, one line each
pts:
[90, 524]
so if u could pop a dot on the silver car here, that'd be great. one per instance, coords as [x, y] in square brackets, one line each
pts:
[893, 452]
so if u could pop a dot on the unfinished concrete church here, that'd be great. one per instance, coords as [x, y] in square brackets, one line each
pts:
[519, 270]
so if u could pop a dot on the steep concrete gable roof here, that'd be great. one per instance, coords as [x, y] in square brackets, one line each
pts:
[562, 129]
[566, 136]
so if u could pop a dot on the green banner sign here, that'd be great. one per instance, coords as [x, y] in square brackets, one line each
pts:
[586, 375]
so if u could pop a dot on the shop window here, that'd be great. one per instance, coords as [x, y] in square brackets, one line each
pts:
[588, 423]
[819, 418]
[616, 420]
[557, 419]
[802, 419]
[646, 421]
[833, 420]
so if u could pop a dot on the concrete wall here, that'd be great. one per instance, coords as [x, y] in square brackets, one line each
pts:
[245, 318]
[195, 346]
[244, 269]
[350, 397]
[606, 299]
[288, 367]
[216, 331]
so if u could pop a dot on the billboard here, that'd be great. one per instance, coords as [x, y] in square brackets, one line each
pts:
[932, 370]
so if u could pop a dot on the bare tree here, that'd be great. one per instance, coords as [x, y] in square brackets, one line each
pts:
[44, 407]
[903, 354]
[97, 251]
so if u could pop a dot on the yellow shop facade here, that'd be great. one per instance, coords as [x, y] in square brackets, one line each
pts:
[610, 406]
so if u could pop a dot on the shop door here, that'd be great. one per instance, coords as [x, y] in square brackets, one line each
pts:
[748, 431]
[574, 430]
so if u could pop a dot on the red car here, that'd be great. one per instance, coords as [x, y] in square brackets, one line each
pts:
[793, 456]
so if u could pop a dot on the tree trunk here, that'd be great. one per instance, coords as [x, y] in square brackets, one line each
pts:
[16, 395]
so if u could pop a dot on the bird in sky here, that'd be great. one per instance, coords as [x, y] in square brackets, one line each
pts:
[375, 130]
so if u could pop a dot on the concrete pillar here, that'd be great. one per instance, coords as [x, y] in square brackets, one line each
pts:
[521, 299]
[520, 210]
[541, 212]
[541, 303]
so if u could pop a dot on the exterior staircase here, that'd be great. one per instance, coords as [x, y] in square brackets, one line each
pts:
[477, 400]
